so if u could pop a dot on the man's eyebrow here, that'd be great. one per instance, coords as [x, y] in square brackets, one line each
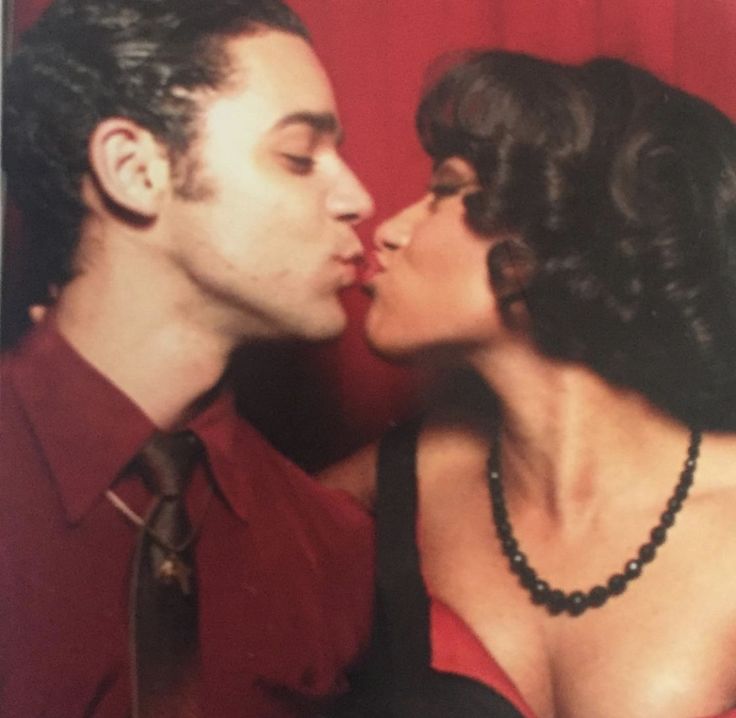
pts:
[324, 123]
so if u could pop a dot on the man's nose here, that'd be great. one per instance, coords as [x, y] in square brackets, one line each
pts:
[349, 201]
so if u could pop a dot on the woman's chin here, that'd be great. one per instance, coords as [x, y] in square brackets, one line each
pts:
[389, 345]
[397, 348]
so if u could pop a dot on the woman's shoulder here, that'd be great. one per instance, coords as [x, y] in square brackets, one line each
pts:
[714, 488]
[355, 474]
[459, 426]
[458, 417]
[715, 476]
[441, 443]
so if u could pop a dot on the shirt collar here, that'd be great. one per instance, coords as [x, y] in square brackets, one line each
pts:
[234, 451]
[89, 430]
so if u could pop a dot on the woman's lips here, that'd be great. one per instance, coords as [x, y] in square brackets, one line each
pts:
[372, 266]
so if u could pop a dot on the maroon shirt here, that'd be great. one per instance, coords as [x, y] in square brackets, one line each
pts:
[284, 566]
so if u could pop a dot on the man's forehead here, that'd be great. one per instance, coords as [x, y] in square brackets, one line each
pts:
[280, 76]
[279, 61]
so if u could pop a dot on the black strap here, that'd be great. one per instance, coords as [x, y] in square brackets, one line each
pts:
[401, 594]
[397, 680]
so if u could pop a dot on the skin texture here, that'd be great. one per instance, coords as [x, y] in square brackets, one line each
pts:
[258, 247]
[587, 470]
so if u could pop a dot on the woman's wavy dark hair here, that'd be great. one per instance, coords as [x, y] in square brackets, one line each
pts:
[86, 60]
[613, 198]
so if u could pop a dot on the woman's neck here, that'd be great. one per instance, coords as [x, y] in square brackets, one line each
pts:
[570, 441]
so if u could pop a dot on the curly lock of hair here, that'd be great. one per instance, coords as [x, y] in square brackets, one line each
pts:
[613, 198]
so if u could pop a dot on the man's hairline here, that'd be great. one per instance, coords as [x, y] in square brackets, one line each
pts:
[235, 79]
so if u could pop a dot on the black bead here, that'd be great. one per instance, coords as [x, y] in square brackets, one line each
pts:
[518, 560]
[617, 584]
[597, 596]
[659, 535]
[555, 602]
[509, 545]
[576, 603]
[503, 527]
[540, 592]
[527, 576]
[674, 504]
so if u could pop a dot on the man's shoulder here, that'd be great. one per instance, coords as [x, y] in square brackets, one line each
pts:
[291, 481]
[327, 526]
[9, 361]
[23, 366]
[278, 498]
[11, 411]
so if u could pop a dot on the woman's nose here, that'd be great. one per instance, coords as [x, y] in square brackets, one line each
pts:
[395, 232]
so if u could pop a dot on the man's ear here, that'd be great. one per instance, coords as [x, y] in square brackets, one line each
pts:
[131, 167]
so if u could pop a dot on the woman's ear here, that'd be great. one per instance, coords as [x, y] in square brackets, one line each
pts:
[130, 166]
[511, 265]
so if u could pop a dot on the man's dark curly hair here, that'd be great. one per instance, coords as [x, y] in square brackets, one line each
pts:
[613, 198]
[86, 60]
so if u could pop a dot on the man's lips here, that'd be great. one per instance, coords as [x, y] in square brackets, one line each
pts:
[349, 271]
[370, 269]
[348, 275]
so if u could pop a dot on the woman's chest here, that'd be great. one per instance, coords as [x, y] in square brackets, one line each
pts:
[666, 647]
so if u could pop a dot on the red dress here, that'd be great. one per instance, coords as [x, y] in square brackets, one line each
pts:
[456, 649]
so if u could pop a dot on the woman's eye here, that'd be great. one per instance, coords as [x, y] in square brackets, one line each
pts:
[301, 164]
[444, 190]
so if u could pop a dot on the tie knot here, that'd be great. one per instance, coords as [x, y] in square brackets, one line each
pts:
[167, 461]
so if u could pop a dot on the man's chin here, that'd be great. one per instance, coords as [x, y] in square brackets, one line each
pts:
[325, 329]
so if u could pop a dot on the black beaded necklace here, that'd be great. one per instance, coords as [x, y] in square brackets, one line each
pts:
[576, 602]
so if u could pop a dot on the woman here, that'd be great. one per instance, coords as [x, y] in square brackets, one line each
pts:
[562, 541]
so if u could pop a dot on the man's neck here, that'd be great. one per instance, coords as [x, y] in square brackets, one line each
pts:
[162, 362]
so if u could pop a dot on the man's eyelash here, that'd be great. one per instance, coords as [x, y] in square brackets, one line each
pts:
[302, 163]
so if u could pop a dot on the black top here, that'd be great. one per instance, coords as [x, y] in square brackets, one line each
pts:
[397, 680]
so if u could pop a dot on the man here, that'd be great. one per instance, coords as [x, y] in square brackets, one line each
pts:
[177, 163]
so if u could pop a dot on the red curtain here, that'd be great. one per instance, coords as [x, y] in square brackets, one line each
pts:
[316, 403]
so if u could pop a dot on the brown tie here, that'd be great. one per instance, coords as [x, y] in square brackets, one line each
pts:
[164, 593]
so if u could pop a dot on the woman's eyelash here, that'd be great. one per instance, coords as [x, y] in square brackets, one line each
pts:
[444, 190]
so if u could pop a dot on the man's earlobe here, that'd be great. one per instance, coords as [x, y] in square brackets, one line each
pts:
[130, 166]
